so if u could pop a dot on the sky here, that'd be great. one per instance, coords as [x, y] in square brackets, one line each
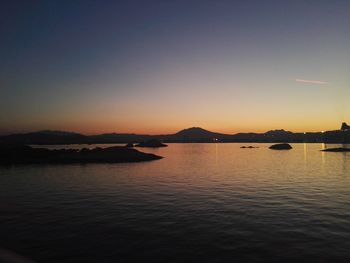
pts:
[157, 67]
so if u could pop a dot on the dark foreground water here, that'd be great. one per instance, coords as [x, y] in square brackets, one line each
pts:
[201, 203]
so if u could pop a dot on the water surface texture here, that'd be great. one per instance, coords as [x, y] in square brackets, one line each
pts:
[201, 203]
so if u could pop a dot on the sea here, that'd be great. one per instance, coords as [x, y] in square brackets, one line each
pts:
[203, 202]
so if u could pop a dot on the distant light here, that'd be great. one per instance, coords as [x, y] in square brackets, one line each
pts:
[322, 131]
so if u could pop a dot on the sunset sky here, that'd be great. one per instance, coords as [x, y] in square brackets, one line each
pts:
[161, 66]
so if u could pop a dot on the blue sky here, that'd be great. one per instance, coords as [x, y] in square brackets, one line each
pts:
[160, 66]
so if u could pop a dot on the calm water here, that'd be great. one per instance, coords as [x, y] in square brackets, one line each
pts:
[201, 203]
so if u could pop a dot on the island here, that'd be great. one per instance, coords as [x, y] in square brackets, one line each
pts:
[24, 154]
[336, 150]
[280, 146]
[152, 144]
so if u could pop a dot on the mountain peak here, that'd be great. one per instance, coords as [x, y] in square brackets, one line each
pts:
[194, 131]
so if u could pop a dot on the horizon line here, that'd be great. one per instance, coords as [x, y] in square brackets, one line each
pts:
[149, 134]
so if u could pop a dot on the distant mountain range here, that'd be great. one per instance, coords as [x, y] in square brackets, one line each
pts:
[194, 134]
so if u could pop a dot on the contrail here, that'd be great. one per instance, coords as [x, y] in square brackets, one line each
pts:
[311, 81]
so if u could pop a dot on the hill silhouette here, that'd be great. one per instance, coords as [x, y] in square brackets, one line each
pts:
[45, 137]
[197, 134]
[193, 134]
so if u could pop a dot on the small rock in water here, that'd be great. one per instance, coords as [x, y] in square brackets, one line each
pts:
[281, 146]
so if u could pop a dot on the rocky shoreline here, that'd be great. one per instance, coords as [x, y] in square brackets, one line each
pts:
[23, 154]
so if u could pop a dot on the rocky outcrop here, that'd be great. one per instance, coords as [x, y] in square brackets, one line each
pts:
[152, 144]
[21, 154]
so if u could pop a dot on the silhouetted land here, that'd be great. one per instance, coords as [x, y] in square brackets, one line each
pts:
[281, 146]
[194, 134]
[22, 154]
[154, 143]
[336, 150]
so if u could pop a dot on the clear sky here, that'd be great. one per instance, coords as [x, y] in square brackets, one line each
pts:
[161, 66]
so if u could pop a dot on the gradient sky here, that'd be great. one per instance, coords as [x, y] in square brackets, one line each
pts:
[161, 66]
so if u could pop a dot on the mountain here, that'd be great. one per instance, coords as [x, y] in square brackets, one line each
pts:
[278, 133]
[45, 137]
[194, 134]
[118, 138]
[270, 136]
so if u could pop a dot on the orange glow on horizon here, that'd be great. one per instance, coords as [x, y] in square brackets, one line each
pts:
[144, 128]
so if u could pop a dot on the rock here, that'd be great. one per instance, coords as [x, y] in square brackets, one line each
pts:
[27, 155]
[129, 145]
[345, 127]
[151, 143]
[281, 146]
[336, 150]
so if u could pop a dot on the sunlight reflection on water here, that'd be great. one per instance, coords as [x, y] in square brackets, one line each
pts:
[202, 202]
